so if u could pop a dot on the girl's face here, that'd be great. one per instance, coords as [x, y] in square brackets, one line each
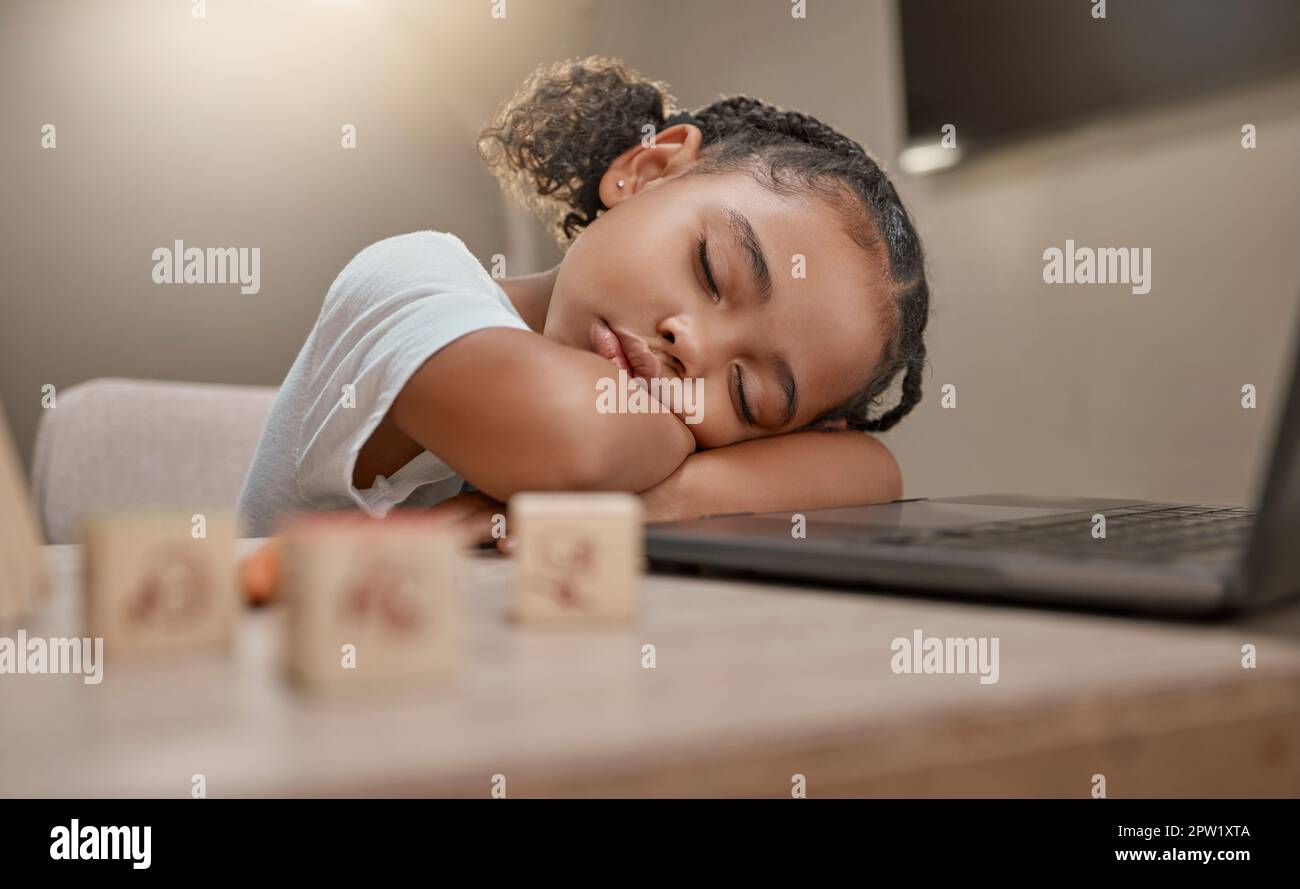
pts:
[764, 299]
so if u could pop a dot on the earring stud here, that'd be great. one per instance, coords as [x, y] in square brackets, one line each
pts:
[621, 183]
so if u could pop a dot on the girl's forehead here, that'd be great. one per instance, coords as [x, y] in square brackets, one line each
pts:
[803, 238]
[830, 300]
[834, 338]
[801, 220]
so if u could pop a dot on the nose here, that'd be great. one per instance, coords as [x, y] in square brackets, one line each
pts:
[695, 347]
[681, 347]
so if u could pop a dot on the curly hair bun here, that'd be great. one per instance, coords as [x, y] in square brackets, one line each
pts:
[553, 140]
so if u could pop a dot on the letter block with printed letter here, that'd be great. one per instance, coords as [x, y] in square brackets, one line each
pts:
[371, 602]
[160, 582]
[579, 556]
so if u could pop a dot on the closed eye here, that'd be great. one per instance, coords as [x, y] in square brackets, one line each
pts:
[702, 247]
[745, 412]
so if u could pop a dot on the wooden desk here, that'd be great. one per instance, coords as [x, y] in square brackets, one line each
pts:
[753, 684]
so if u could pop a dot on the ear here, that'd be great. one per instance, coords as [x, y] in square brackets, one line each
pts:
[654, 160]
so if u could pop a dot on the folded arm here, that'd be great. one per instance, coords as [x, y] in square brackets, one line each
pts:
[798, 470]
[511, 410]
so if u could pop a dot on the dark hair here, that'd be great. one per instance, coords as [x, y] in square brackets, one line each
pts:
[553, 141]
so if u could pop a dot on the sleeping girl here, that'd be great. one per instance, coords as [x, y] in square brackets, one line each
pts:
[753, 253]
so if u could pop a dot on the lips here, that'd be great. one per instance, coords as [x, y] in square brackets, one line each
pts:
[627, 352]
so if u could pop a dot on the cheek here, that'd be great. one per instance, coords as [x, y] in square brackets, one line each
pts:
[719, 425]
[568, 304]
[589, 284]
[629, 261]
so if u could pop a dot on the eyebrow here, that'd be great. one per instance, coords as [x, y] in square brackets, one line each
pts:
[748, 241]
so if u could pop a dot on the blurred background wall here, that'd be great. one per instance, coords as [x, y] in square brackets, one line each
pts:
[226, 131]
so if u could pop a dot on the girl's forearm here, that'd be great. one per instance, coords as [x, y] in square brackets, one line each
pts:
[799, 470]
[513, 411]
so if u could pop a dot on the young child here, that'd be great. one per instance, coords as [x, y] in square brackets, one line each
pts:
[755, 253]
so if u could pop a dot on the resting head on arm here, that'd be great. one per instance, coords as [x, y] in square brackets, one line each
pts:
[752, 250]
[752, 253]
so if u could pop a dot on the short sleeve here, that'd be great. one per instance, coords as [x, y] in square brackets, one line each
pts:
[377, 328]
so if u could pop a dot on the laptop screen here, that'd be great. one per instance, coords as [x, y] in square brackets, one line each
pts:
[1272, 566]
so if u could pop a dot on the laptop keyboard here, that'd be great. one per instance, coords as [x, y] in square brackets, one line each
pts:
[1149, 532]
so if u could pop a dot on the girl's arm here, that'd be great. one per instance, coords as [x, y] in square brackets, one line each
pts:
[511, 410]
[795, 471]
[798, 470]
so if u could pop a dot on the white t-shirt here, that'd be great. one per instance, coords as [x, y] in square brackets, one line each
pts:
[395, 304]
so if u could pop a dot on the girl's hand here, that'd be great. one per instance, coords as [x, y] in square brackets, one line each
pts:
[260, 571]
[475, 513]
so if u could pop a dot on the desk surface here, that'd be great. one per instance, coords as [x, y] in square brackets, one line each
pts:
[753, 684]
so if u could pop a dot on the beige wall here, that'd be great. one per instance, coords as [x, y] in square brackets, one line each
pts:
[1094, 387]
[226, 131]
[1059, 389]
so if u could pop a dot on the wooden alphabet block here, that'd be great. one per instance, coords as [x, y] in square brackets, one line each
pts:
[579, 556]
[160, 582]
[371, 602]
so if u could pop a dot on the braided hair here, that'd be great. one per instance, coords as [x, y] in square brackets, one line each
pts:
[553, 141]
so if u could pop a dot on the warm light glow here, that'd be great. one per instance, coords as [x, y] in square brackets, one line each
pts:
[917, 160]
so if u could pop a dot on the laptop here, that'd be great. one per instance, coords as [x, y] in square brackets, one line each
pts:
[1169, 558]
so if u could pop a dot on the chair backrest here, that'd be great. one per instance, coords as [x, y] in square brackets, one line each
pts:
[130, 444]
[23, 578]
